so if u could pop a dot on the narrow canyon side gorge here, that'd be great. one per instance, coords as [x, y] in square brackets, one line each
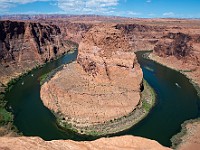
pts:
[106, 69]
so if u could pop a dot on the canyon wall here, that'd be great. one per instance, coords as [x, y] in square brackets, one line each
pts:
[180, 51]
[70, 31]
[25, 45]
[180, 45]
[141, 37]
[175, 43]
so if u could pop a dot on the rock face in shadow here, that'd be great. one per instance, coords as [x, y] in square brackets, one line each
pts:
[117, 143]
[24, 45]
[181, 45]
[71, 31]
[104, 83]
[75, 31]
[141, 37]
[180, 51]
[176, 44]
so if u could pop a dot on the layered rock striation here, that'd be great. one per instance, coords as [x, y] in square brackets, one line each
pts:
[103, 85]
[181, 52]
[24, 45]
[105, 62]
[176, 44]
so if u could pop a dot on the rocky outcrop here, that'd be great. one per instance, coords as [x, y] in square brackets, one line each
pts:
[105, 51]
[189, 137]
[180, 51]
[104, 83]
[141, 37]
[71, 31]
[75, 31]
[117, 143]
[176, 44]
[24, 45]
[180, 45]
[105, 63]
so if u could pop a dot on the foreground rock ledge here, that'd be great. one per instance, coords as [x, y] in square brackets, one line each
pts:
[116, 143]
[189, 137]
[104, 84]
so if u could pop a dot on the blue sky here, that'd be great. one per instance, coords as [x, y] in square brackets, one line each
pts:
[126, 8]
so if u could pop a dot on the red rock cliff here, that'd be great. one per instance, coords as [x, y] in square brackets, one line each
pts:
[23, 45]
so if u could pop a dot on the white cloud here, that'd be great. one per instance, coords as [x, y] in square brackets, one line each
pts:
[131, 13]
[5, 5]
[126, 13]
[168, 14]
[151, 14]
[21, 1]
[87, 6]
[68, 6]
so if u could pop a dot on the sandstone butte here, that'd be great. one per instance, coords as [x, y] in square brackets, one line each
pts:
[104, 84]
[176, 43]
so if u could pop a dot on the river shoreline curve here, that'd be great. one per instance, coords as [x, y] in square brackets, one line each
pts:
[6, 120]
[157, 59]
[117, 125]
[187, 127]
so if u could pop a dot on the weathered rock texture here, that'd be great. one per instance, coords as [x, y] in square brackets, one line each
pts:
[180, 51]
[24, 45]
[117, 143]
[176, 44]
[70, 31]
[104, 83]
[189, 137]
[141, 37]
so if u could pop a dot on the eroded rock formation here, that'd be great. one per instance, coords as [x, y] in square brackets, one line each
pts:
[104, 83]
[141, 37]
[176, 44]
[180, 51]
[24, 45]
[189, 137]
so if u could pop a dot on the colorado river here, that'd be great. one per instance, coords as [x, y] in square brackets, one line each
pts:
[176, 99]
